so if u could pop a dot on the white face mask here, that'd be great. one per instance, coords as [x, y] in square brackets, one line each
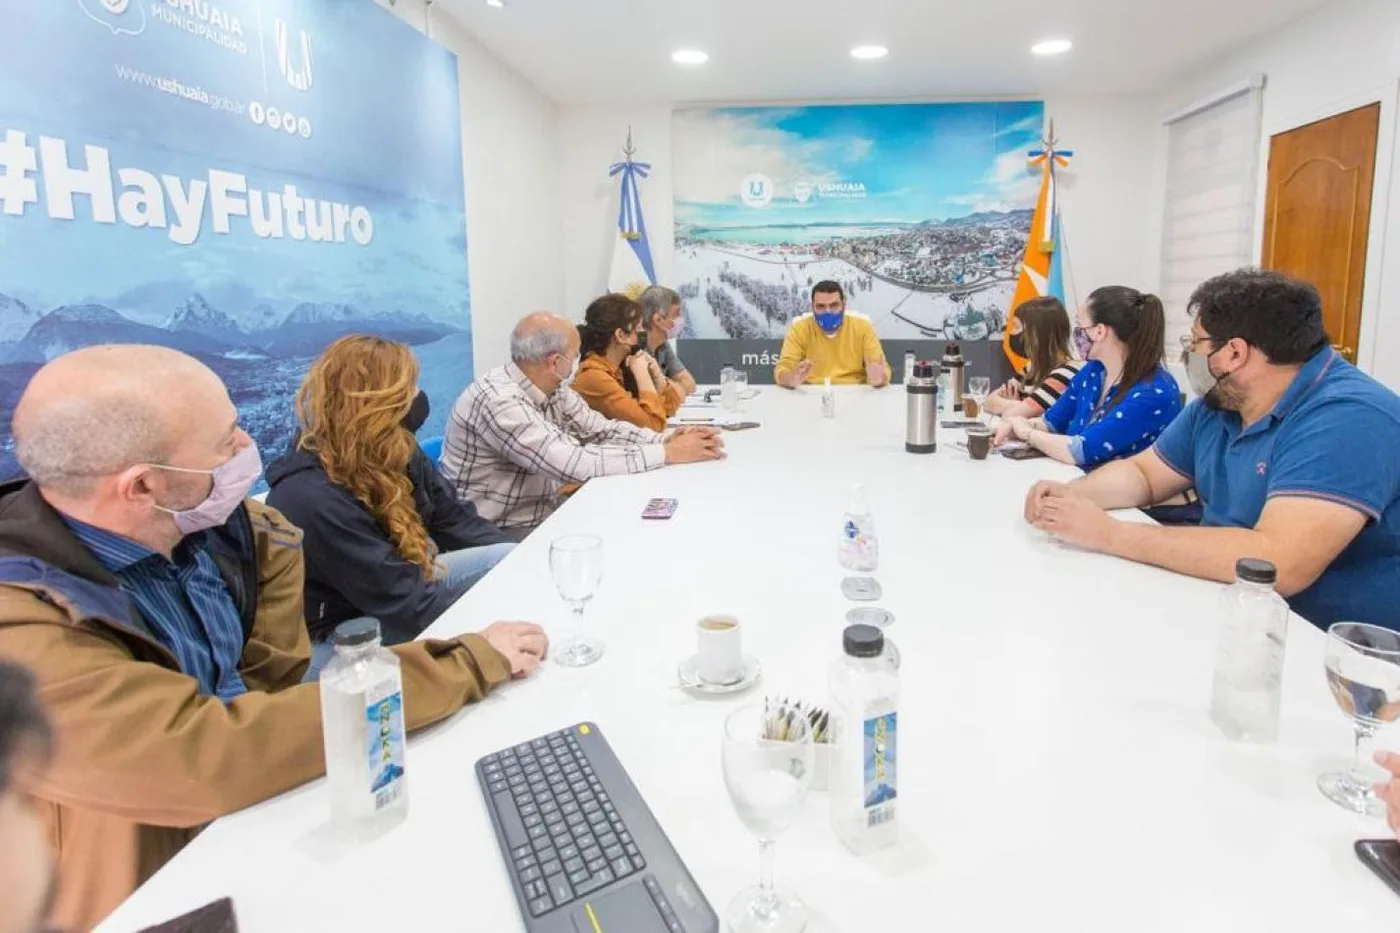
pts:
[573, 371]
[232, 480]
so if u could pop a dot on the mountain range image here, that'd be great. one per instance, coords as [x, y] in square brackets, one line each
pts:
[260, 352]
[195, 326]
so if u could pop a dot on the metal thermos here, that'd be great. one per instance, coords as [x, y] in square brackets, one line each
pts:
[954, 367]
[921, 410]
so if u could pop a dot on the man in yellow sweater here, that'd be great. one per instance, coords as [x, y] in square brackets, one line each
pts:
[831, 344]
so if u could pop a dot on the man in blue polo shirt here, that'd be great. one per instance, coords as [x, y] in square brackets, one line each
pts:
[1295, 453]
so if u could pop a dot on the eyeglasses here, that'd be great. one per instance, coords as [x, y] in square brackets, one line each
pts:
[1189, 342]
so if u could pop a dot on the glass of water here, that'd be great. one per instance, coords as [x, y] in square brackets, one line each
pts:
[979, 387]
[576, 564]
[736, 390]
[767, 769]
[1363, 671]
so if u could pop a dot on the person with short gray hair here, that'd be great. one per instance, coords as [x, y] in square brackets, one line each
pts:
[519, 434]
[160, 611]
[661, 322]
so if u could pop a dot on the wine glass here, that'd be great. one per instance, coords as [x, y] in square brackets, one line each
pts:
[767, 779]
[979, 387]
[1363, 670]
[576, 564]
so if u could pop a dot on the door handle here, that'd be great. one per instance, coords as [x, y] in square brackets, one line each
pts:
[1348, 353]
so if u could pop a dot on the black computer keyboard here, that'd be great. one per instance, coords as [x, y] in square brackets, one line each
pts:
[579, 840]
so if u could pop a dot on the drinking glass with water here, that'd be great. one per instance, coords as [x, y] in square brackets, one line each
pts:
[576, 565]
[1363, 672]
[767, 770]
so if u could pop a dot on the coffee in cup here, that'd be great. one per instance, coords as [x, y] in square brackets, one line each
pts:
[979, 442]
[719, 658]
[970, 407]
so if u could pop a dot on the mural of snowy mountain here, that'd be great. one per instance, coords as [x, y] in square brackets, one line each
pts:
[196, 315]
[73, 326]
[16, 318]
[312, 325]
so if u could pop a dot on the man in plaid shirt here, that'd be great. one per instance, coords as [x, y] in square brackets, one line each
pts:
[519, 433]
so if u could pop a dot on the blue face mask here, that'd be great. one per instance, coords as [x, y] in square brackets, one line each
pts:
[829, 321]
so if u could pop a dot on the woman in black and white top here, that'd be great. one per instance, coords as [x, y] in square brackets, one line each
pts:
[1040, 332]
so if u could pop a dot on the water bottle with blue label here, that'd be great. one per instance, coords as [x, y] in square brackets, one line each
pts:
[864, 778]
[362, 722]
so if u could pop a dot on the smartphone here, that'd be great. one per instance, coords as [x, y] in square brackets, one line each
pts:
[660, 509]
[961, 424]
[1382, 856]
[1022, 453]
[217, 917]
[739, 425]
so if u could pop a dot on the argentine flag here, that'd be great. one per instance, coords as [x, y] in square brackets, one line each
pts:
[632, 268]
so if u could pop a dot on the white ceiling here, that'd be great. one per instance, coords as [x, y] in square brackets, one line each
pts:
[584, 51]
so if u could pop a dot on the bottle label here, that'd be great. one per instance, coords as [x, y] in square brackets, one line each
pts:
[860, 549]
[880, 784]
[385, 741]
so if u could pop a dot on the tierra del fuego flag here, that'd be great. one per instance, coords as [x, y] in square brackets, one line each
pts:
[1042, 271]
[632, 269]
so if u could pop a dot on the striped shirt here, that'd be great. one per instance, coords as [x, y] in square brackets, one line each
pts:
[509, 447]
[1048, 392]
[184, 602]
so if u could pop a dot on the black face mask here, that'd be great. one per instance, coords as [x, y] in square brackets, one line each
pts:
[1017, 342]
[417, 413]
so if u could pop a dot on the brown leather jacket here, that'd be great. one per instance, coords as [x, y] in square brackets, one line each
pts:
[144, 760]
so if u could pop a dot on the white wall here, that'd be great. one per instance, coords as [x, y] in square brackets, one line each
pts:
[1103, 199]
[1341, 56]
[511, 166]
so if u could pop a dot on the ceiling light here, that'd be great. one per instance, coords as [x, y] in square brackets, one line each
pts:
[689, 57]
[498, 4]
[868, 52]
[1052, 46]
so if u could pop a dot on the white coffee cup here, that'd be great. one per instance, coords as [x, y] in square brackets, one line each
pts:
[719, 657]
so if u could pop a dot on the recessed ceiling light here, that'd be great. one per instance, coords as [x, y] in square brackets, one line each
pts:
[1052, 47]
[689, 57]
[868, 52]
[498, 4]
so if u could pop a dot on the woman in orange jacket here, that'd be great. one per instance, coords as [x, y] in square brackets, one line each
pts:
[617, 377]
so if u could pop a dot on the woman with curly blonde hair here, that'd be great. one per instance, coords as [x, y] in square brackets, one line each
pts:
[384, 535]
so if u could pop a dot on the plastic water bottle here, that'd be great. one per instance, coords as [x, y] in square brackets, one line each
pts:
[828, 400]
[865, 741]
[728, 389]
[1249, 648]
[859, 547]
[363, 726]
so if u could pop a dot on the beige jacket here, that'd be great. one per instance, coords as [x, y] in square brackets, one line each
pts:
[144, 761]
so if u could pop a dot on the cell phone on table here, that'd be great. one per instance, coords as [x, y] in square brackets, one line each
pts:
[1382, 856]
[1022, 453]
[660, 509]
[738, 425]
[217, 917]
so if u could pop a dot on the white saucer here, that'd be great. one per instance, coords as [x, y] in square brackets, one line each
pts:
[690, 680]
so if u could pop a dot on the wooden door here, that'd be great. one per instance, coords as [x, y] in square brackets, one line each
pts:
[1317, 213]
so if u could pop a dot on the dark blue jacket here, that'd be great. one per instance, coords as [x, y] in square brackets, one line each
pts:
[352, 567]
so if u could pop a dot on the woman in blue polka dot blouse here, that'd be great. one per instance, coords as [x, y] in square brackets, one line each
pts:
[1122, 398]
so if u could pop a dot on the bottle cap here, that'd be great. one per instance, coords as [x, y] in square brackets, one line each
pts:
[1254, 570]
[356, 632]
[863, 641]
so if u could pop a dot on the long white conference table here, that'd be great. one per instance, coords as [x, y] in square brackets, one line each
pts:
[1058, 770]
